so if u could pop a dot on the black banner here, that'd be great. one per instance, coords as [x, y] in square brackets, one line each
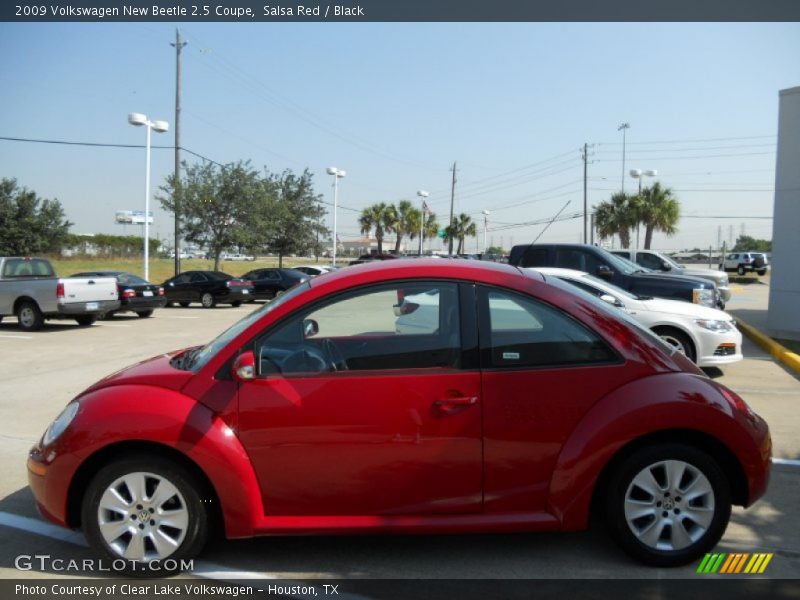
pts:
[399, 10]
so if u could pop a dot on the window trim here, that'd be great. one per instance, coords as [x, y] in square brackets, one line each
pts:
[485, 334]
[469, 356]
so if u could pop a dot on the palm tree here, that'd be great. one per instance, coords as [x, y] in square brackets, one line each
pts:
[379, 217]
[461, 227]
[430, 229]
[616, 217]
[659, 210]
[405, 221]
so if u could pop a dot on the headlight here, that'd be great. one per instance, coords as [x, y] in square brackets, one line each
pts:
[60, 423]
[715, 326]
[724, 281]
[705, 297]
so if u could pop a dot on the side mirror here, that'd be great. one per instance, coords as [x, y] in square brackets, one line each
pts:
[310, 328]
[605, 272]
[244, 367]
[611, 300]
[404, 308]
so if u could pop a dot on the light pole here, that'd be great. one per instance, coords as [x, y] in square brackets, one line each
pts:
[337, 175]
[422, 194]
[639, 174]
[137, 120]
[486, 214]
[623, 128]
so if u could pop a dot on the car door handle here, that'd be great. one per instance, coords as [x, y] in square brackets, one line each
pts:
[452, 405]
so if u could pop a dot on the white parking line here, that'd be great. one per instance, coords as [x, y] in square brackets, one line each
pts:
[17, 337]
[788, 462]
[179, 317]
[113, 325]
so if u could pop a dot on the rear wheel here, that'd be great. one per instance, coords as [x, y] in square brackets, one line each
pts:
[740, 269]
[762, 272]
[236, 304]
[143, 314]
[668, 504]
[184, 304]
[207, 300]
[29, 316]
[678, 340]
[86, 320]
[142, 509]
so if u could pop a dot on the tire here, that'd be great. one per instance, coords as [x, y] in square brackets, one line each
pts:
[208, 300]
[184, 304]
[679, 340]
[762, 272]
[86, 320]
[740, 270]
[143, 314]
[721, 268]
[236, 304]
[29, 317]
[186, 526]
[668, 504]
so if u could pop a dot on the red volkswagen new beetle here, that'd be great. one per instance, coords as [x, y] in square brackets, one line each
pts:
[504, 402]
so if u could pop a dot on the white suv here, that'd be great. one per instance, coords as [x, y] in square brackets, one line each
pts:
[742, 262]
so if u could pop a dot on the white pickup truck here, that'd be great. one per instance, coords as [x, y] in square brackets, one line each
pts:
[30, 290]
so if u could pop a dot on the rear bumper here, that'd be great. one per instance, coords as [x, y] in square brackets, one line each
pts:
[235, 295]
[79, 308]
[142, 303]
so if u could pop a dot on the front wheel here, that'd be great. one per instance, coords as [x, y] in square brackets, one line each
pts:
[143, 509]
[740, 270]
[678, 340]
[669, 504]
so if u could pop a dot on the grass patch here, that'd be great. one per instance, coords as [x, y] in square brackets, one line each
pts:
[162, 269]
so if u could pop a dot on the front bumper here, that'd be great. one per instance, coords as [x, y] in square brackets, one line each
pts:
[50, 485]
[714, 349]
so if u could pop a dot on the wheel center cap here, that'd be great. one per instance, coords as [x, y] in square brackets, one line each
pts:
[144, 516]
[669, 504]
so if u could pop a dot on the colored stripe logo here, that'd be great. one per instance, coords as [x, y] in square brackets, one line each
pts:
[734, 563]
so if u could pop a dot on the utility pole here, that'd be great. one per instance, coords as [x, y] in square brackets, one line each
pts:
[623, 128]
[585, 192]
[591, 229]
[178, 45]
[452, 201]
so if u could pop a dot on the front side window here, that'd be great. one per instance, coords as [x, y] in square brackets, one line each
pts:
[649, 261]
[571, 258]
[407, 325]
[523, 332]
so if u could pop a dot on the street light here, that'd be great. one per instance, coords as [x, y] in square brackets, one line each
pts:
[486, 214]
[422, 194]
[639, 174]
[623, 128]
[137, 120]
[337, 175]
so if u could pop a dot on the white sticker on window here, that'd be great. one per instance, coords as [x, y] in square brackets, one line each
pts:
[510, 355]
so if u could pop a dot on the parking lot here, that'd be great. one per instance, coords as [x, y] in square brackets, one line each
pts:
[40, 372]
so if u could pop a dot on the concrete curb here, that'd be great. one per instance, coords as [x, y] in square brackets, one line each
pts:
[779, 352]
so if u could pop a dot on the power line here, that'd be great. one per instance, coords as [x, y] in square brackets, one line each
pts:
[694, 157]
[692, 141]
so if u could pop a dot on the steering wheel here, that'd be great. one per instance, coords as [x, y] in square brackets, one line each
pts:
[337, 360]
[305, 360]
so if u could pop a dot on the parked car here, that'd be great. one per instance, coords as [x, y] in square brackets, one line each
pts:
[209, 288]
[313, 270]
[271, 283]
[135, 294]
[31, 291]
[237, 257]
[629, 276]
[658, 262]
[707, 336]
[313, 414]
[742, 262]
[365, 258]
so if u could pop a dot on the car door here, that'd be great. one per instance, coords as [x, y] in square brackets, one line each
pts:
[542, 370]
[349, 416]
[198, 285]
[176, 289]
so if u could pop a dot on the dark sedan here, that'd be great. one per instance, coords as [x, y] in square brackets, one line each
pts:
[270, 283]
[209, 288]
[135, 294]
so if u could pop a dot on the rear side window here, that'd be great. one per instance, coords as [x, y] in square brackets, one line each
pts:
[574, 258]
[523, 332]
[20, 267]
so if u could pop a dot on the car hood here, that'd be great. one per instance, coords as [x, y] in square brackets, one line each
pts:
[686, 309]
[156, 371]
[703, 273]
[676, 280]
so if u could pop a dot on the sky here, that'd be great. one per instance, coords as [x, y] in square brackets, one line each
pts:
[396, 104]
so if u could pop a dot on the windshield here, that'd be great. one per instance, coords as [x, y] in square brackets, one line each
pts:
[627, 266]
[196, 358]
[671, 261]
[604, 286]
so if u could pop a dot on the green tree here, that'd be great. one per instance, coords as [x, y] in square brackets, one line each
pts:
[746, 243]
[460, 228]
[430, 229]
[295, 214]
[658, 210]
[616, 217]
[404, 221]
[216, 202]
[29, 224]
[378, 218]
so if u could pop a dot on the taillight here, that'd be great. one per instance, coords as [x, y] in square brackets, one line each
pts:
[228, 283]
[129, 293]
[160, 291]
[59, 290]
[248, 283]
